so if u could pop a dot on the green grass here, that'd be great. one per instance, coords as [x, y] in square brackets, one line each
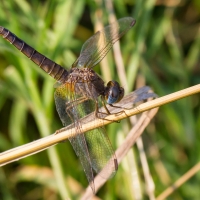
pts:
[163, 48]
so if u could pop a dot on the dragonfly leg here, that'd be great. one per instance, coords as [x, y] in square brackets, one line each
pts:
[77, 101]
[107, 112]
[120, 112]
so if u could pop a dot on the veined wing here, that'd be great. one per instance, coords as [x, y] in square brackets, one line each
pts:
[93, 147]
[95, 152]
[96, 47]
[101, 153]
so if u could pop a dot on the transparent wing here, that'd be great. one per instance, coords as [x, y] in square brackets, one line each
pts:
[95, 152]
[143, 94]
[93, 147]
[69, 110]
[101, 153]
[80, 147]
[96, 47]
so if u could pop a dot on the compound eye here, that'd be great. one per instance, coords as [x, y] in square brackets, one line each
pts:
[114, 92]
[113, 95]
[121, 94]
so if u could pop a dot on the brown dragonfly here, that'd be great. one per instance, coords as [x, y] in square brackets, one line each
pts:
[80, 91]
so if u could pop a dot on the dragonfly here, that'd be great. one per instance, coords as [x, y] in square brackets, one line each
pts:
[80, 91]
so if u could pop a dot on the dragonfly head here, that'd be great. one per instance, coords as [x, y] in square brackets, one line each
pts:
[114, 93]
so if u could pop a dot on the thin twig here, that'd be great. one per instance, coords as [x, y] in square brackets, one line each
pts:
[150, 186]
[179, 182]
[149, 183]
[44, 143]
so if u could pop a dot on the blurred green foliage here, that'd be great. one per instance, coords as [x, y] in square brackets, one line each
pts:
[164, 47]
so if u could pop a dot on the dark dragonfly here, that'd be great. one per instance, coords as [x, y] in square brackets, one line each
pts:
[80, 91]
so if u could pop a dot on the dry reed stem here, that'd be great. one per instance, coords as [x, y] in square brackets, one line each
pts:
[42, 144]
[116, 49]
[136, 190]
[179, 182]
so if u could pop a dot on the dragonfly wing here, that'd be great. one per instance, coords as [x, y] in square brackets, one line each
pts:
[71, 106]
[101, 153]
[63, 99]
[79, 145]
[70, 111]
[97, 46]
[93, 147]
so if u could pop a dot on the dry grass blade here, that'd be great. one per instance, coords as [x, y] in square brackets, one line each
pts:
[116, 49]
[179, 182]
[129, 141]
[149, 183]
[39, 145]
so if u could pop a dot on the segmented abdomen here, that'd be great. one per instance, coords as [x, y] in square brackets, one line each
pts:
[50, 67]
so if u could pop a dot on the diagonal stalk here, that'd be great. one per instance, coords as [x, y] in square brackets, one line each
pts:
[44, 143]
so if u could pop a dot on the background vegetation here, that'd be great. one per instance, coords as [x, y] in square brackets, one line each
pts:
[163, 50]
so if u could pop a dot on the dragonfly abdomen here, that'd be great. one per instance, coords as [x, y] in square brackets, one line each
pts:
[50, 67]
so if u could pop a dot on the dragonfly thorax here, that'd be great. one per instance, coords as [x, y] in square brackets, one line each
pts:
[87, 82]
[81, 75]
